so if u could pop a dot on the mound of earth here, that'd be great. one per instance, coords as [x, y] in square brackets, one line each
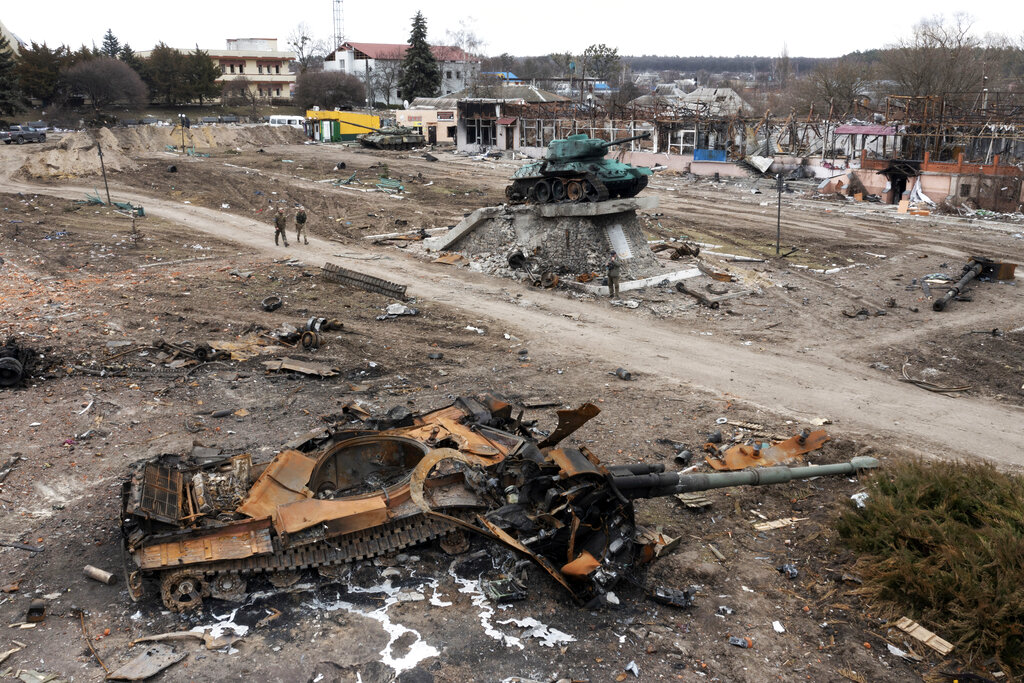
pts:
[76, 153]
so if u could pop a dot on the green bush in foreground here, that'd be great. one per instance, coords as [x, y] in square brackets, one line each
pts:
[944, 543]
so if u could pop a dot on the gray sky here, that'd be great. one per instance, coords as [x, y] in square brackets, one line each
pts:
[519, 27]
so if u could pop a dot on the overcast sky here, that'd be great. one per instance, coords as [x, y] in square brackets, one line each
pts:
[519, 27]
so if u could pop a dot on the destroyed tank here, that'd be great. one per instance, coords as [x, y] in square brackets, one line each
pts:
[203, 529]
[390, 137]
[575, 170]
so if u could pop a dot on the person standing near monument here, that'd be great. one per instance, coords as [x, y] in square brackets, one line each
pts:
[614, 272]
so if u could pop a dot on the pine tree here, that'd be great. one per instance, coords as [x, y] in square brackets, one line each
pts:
[421, 75]
[111, 45]
[202, 76]
[11, 99]
[39, 72]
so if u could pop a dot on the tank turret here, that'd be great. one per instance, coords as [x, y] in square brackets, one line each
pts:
[575, 170]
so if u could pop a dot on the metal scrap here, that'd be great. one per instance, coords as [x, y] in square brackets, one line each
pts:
[924, 384]
[762, 454]
[152, 661]
[344, 276]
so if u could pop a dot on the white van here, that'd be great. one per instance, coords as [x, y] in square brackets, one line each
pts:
[293, 121]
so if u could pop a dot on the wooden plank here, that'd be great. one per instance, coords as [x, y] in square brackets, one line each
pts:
[915, 630]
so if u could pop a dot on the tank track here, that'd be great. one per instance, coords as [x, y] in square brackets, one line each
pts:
[360, 545]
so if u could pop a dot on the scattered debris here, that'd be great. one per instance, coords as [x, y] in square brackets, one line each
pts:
[977, 267]
[741, 642]
[778, 523]
[149, 663]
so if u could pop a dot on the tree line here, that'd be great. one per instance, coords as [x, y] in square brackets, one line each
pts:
[108, 74]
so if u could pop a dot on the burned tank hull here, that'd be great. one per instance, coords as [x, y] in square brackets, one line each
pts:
[575, 170]
[199, 530]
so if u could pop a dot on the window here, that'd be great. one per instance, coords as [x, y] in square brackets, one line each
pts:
[241, 68]
[448, 74]
[965, 190]
[278, 92]
[260, 92]
[458, 74]
[232, 68]
[277, 68]
[259, 68]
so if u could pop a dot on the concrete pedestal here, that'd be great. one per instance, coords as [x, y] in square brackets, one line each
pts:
[566, 239]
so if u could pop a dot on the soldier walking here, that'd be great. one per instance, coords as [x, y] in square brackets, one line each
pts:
[614, 271]
[280, 221]
[300, 226]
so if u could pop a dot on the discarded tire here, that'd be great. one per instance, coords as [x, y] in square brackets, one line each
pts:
[271, 303]
[311, 340]
[172, 169]
[11, 371]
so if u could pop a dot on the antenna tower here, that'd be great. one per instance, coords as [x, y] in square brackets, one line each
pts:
[339, 23]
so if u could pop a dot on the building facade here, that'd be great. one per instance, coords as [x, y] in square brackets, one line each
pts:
[255, 61]
[379, 64]
[260, 62]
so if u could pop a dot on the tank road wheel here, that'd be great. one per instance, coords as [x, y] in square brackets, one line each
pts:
[455, 542]
[590, 191]
[574, 191]
[230, 587]
[284, 579]
[542, 192]
[183, 591]
[558, 190]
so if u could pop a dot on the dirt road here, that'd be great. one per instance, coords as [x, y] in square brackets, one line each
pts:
[812, 381]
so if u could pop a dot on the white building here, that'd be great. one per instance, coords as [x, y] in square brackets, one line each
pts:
[458, 69]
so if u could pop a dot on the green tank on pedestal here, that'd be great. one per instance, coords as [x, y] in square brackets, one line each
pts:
[575, 170]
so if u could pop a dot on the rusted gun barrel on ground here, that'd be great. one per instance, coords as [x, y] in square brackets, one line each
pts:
[976, 267]
[635, 484]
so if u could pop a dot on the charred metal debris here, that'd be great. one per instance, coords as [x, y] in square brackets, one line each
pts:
[16, 363]
[198, 529]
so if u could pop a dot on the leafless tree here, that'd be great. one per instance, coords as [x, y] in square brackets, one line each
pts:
[387, 72]
[241, 91]
[940, 57]
[835, 84]
[105, 80]
[309, 51]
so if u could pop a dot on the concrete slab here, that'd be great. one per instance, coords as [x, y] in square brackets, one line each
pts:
[465, 226]
[629, 285]
[597, 208]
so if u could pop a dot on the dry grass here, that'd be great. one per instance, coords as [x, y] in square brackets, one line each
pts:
[944, 542]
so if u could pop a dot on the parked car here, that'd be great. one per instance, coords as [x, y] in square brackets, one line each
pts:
[21, 135]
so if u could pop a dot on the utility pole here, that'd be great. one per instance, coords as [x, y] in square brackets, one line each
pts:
[778, 224]
[103, 168]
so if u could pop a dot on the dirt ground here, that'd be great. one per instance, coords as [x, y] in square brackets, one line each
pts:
[79, 287]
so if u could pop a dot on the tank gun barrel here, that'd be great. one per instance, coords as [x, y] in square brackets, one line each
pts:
[656, 484]
[359, 125]
[642, 136]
